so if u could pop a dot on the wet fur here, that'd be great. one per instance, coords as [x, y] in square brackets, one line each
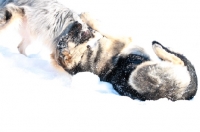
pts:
[77, 47]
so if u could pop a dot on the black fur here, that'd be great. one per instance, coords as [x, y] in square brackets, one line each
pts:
[118, 69]
[75, 34]
[110, 58]
[117, 74]
[121, 72]
[192, 88]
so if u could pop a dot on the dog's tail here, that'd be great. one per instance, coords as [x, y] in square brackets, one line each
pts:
[174, 77]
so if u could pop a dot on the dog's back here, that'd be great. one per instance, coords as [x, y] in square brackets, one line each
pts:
[40, 19]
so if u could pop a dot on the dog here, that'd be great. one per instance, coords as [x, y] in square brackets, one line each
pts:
[80, 43]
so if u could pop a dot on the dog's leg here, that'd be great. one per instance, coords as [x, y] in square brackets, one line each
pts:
[103, 29]
[23, 45]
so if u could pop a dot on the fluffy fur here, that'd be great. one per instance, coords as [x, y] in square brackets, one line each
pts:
[80, 43]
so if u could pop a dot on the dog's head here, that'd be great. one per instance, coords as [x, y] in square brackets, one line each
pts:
[75, 36]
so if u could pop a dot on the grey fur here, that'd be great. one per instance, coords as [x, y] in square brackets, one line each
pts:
[44, 19]
[132, 74]
[76, 48]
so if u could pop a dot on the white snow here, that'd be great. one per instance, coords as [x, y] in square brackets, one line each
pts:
[34, 97]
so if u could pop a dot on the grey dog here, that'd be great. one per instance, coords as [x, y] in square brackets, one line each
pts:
[80, 43]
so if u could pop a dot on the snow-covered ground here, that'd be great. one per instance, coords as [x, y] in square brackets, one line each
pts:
[34, 97]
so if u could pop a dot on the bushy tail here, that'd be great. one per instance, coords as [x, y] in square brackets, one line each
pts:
[174, 77]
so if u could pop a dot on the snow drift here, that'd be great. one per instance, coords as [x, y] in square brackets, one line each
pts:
[36, 97]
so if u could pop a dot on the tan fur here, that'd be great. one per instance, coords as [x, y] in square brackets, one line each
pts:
[114, 58]
[167, 56]
[169, 78]
[178, 74]
[96, 25]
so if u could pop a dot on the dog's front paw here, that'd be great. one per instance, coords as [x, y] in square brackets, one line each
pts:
[66, 56]
[89, 20]
[85, 16]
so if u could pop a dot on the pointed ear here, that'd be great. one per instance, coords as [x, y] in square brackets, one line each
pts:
[165, 54]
